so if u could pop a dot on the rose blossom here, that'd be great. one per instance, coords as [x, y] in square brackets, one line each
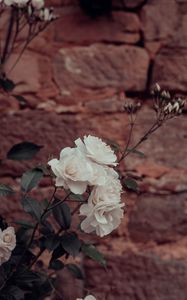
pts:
[38, 4]
[103, 210]
[98, 151]
[20, 3]
[7, 243]
[89, 297]
[72, 171]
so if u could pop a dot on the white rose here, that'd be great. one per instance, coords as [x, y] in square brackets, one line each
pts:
[103, 210]
[47, 14]
[20, 3]
[99, 175]
[72, 171]
[38, 4]
[98, 151]
[89, 297]
[8, 2]
[7, 243]
[5, 255]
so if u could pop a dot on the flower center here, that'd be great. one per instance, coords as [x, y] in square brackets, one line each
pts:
[7, 238]
[71, 171]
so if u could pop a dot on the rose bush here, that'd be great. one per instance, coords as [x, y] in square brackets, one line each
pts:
[86, 175]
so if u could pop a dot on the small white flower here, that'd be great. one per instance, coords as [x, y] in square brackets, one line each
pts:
[47, 14]
[89, 297]
[103, 211]
[96, 150]
[72, 171]
[7, 243]
[38, 4]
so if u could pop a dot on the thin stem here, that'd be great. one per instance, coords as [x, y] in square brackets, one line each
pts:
[58, 203]
[76, 209]
[128, 141]
[36, 258]
[34, 231]
[153, 128]
[28, 41]
[9, 34]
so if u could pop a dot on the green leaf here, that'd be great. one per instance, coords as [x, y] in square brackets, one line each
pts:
[32, 207]
[58, 252]
[130, 184]
[5, 190]
[30, 179]
[77, 197]
[62, 214]
[16, 293]
[23, 151]
[115, 146]
[56, 265]
[25, 224]
[75, 270]
[139, 153]
[93, 253]
[51, 242]
[7, 84]
[71, 243]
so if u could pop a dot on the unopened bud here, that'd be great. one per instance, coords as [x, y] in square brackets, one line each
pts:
[176, 107]
[156, 88]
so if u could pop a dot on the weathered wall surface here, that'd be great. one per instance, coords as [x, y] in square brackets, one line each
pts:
[72, 77]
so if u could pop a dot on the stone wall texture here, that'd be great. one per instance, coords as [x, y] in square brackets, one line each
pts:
[72, 77]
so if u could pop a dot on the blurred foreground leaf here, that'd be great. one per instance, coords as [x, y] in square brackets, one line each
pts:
[23, 151]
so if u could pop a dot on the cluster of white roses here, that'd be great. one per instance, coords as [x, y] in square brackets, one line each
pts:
[34, 6]
[7, 244]
[90, 164]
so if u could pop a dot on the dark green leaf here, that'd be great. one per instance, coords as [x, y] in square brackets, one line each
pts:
[27, 278]
[141, 154]
[30, 179]
[93, 253]
[25, 224]
[71, 243]
[16, 292]
[58, 252]
[51, 242]
[130, 184]
[76, 197]
[75, 270]
[62, 214]
[46, 228]
[56, 265]
[32, 207]
[23, 151]
[115, 146]
[7, 84]
[5, 190]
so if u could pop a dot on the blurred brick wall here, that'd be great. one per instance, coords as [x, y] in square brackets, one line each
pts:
[72, 77]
